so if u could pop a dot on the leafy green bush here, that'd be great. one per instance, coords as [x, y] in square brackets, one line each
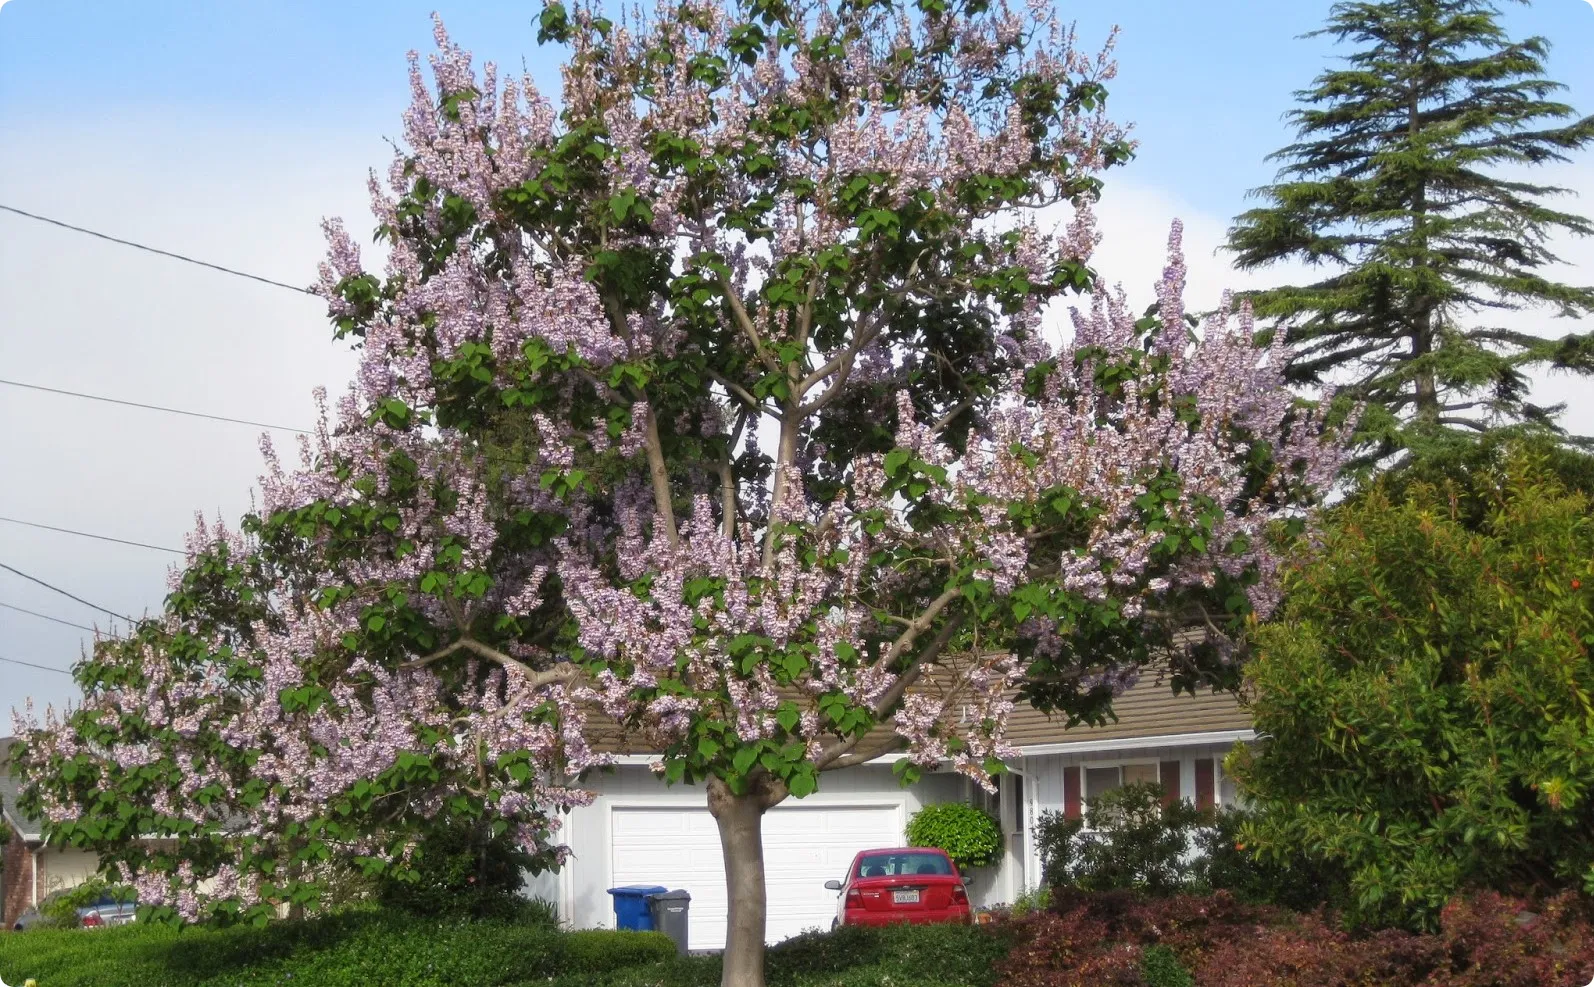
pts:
[347, 950]
[61, 909]
[1225, 862]
[1161, 967]
[1135, 841]
[459, 870]
[971, 837]
[1425, 697]
[852, 956]
[1031, 900]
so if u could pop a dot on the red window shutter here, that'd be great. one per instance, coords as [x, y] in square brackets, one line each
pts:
[1168, 776]
[1204, 783]
[1071, 808]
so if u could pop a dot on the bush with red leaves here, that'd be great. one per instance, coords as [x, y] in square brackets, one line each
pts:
[1485, 940]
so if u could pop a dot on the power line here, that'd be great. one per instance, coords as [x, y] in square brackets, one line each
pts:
[71, 596]
[42, 668]
[57, 620]
[506, 460]
[157, 250]
[86, 534]
[154, 407]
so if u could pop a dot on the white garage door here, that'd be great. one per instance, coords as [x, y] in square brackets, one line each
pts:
[804, 846]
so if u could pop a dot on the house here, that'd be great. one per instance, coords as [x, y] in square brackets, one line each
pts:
[32, 870]
[639, 830]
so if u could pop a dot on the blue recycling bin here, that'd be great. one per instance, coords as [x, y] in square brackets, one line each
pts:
[631, 906]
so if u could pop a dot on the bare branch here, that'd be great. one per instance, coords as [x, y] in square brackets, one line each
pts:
[659, 472]
[746, 322]
[740, 393]
[437, 655]
[909, 677]
[895, 744]
[563, 674]
[952, 415]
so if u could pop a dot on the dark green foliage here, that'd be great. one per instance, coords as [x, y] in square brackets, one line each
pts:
[1226, 863]
[920, 956]
[1136, 841]
[971, 837]
[1425, 696]
[60, 909]
[359, 949]
[459, 871]
[349, 950]
[1405, 186]
[1161, 968]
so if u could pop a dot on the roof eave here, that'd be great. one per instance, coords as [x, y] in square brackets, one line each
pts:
[1202, 739]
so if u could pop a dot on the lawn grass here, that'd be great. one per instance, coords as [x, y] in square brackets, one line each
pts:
[374, 948]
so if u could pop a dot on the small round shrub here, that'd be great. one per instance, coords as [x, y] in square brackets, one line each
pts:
[971, 837]
[1161, 968]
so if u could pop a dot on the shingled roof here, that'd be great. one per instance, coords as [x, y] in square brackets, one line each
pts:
[28, 827]
[1149, 711]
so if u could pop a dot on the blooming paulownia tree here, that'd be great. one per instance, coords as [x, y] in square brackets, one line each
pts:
[716, 402]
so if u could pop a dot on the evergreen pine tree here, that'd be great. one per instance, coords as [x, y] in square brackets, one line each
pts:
[1406, 183]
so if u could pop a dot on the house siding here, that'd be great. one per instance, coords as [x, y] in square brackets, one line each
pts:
[1048, 786]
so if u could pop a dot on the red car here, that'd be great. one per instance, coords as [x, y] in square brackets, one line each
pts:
[912, 884]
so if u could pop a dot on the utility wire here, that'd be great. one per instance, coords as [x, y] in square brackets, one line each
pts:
[58, 620]
[85, 534]
[71, 596]
[154, 407]
[505, 460]
[43, 668]
[157, 250]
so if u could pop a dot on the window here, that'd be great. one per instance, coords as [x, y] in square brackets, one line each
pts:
[1100, 781]
[903, 864]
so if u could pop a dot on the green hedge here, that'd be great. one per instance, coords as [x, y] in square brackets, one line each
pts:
[900, 956]
[342, 951]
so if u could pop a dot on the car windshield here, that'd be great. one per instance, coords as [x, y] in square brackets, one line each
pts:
[903, 864]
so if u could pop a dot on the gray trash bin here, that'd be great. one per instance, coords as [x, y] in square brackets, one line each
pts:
[671, 910]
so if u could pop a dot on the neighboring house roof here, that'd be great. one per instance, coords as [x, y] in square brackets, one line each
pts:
[27, 827]
[1149, 714]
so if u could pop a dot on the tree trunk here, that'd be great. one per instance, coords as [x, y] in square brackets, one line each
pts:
[741, 825]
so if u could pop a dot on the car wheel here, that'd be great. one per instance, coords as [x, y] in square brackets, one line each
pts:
[835, 924]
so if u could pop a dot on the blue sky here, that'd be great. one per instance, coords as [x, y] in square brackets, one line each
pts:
[1205, 83]
[229, 129]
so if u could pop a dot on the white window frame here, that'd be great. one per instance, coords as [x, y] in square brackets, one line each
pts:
[1119, 763]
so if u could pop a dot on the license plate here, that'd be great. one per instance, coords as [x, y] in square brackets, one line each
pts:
[905, 897]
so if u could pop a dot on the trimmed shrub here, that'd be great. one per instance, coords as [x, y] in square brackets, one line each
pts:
[971, 837]
[347, 950]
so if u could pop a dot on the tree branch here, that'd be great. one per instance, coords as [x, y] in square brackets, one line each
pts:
[746, 322]
[563, 674]
[911, 675]
[864, 757]
[659, 472]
